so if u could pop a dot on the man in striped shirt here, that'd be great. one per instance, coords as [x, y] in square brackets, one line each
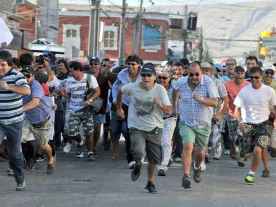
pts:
[12, 86]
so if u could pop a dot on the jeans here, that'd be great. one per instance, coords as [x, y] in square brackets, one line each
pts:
[119, 127]
[16, 160]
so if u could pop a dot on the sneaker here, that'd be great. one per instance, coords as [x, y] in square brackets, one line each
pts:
[80, 155]
[265, 173]
[131, 165]
[202, 166]
[67, 148]
[135, 173]
[161, 172]
[90, 156]
[21, 186]
[10, 172]
[151, 187]
[197, 174]
[186, 182]
[40, 159]
[218, 151]
[249, 179]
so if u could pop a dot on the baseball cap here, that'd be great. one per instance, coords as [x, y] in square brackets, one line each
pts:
[94, 60]
[148, 68]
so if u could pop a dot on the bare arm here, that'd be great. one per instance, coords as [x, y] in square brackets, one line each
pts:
[225, 107]
[164, 108]
[32, 104]
[96, 94]
[220, 114]
[119, 108]
[175, 100]
[238, 113]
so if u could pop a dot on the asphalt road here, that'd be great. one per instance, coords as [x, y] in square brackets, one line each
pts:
[106, 183]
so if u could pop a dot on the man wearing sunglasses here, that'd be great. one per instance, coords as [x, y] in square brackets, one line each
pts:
[253, 105]
[198, 96]
[147, 103]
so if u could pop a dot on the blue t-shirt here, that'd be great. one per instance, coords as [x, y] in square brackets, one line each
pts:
[41, 112]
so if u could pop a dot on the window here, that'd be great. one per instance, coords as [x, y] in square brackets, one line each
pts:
[110, 38]
[71, 33]
[176, 23]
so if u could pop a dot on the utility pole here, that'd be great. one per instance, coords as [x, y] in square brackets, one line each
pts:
[122, 33]
[138, 32]
[185, 31]
[94, 27]
[201, 47]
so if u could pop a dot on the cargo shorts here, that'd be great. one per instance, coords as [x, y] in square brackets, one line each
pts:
[149, 141]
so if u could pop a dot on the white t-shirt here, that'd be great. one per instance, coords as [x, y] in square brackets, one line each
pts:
[77, 90]
[255, 103]
[143, 114]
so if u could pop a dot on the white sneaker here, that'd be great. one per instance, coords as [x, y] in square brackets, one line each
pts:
[67, 148]
[80, 155]
[131, 164]
[202, 166]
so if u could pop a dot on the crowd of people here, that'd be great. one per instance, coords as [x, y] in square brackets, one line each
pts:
[188, 111]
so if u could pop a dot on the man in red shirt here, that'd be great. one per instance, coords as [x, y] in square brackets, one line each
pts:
[233, 88]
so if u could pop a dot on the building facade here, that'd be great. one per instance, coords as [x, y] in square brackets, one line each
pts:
[74, 32]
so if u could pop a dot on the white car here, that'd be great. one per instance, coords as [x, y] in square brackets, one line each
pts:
[43, 45]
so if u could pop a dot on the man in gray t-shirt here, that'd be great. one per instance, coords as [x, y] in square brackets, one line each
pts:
[148, 101]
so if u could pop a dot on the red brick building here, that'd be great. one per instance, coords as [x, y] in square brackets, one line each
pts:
[74, 32]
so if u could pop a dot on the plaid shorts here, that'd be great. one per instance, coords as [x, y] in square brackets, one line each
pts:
[254, 135]
[232, 126]
[84, 119]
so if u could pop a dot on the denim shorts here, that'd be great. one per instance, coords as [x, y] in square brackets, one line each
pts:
[99, 118]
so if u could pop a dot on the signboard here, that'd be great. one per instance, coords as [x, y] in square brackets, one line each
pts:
[151, 37]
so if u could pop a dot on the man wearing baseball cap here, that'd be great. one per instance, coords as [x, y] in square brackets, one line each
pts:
[148, 102]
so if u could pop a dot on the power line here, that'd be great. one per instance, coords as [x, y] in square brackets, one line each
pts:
[229, 40]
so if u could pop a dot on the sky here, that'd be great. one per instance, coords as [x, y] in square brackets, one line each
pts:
[159, 2]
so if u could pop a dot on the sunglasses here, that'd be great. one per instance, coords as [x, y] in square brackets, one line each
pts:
[194, 74]
[163, 77]
[255, 77]
[146, 75]
[230, 64]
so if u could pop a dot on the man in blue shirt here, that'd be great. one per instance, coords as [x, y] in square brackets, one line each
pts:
[198, 95]
[37, 120]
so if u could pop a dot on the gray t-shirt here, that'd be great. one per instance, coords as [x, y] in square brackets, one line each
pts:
[143, 113]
